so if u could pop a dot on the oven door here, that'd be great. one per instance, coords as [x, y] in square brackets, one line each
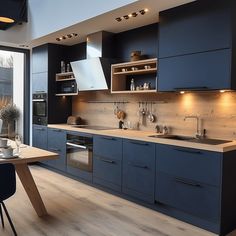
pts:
[39, 107]
[79, 156]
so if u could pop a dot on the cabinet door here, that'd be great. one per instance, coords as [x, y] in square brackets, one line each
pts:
[139, 169]
[39, 82]
[193, 28]
[57, 143]
[188, 163]
[189, 196]
[201, 71]
[107, 163]
[40, 136]
[40, 59]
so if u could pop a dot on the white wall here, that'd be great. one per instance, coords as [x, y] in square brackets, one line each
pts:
[47, 16]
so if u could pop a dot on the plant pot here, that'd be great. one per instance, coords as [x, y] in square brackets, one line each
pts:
[11, 129]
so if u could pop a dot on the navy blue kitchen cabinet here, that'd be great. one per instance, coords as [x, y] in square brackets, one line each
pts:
[189, 180]
[139, 169]
[107, 162]
[40, 82]
[201, 71]
[197, 47]
[57, 143]
[194, 27]
[195, 186]
[46, 61]
[40, 138]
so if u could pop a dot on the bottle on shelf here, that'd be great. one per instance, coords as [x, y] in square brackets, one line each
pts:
[132, 85]
[63, 67]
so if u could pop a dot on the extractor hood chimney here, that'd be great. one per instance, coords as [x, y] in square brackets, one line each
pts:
[94, 72]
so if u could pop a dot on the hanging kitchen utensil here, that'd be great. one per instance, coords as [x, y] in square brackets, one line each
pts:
[151, 116]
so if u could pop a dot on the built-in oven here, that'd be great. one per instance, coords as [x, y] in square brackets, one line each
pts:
[79, 155]
[40, 108]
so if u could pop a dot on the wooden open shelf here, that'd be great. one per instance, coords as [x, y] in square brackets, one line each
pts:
[65, 76]
[142, 71]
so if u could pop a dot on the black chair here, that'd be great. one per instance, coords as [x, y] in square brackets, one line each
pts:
[7, 189]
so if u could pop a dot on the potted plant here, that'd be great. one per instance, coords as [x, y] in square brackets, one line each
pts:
[10, 114]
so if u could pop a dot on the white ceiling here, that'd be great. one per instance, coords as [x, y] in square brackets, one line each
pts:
[107, 22]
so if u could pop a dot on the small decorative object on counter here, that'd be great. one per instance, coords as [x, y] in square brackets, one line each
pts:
[121, 123]
[63, 67]
[132, 85]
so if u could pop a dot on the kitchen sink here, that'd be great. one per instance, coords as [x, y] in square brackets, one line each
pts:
[191, 139]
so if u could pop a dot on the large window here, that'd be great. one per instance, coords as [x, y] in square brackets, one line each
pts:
[12, 72]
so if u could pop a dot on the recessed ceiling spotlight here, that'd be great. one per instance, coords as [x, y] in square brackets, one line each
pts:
[118, 19]
[182, 92]
[142, 12]
[68, 36]
[134, 14]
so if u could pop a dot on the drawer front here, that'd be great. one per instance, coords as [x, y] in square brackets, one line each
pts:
[56, 140]
[106, 146]
[191, 197]
[139, 169]
[107, 172]
[199, 165]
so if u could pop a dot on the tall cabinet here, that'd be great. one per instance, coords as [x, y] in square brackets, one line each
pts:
[45, 64]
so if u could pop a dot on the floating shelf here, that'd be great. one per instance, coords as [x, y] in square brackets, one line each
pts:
[66, 94]
[142, 71]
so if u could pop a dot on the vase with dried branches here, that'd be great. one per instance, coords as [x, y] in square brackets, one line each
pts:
[10, 114]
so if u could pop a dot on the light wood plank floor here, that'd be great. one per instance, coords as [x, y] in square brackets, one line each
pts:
[77, 209]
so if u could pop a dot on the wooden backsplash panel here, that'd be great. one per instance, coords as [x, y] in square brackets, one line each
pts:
[217, 110]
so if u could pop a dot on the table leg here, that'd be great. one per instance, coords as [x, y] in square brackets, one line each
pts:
[31, 189]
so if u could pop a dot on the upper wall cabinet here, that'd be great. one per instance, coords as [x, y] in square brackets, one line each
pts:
[194, 28]
[40, 59]
[196, 47]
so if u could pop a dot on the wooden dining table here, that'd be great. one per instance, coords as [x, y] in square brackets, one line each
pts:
[26, 156]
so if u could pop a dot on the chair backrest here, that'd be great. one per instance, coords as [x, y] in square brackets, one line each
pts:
[1, 126]
[7, 181]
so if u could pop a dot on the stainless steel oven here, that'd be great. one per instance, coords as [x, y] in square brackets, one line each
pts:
[40, 108]
[79, 154]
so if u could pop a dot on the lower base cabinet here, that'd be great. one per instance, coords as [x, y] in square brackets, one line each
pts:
[139, 170]
[57, 143]
[107, 162]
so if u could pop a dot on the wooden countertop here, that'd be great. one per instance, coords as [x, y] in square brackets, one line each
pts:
[143, 136]
[30, 154]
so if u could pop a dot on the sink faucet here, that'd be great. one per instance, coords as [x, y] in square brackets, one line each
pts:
[198, 129]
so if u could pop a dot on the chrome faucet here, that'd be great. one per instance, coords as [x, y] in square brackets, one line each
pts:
[198, 133]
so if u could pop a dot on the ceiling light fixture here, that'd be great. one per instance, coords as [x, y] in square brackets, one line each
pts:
[67, 36]
[6, 20]
[118, 19]
[134, 14]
